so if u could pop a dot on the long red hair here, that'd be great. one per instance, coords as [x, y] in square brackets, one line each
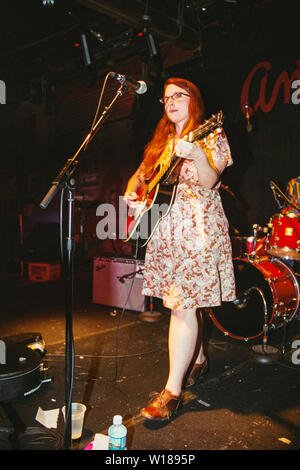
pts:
[165, 128]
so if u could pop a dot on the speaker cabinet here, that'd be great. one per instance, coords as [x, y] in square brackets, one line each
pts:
[118, 281]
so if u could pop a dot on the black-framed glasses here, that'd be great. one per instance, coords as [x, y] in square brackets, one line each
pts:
[175, 97]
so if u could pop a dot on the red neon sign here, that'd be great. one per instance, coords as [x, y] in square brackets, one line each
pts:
[283, 80]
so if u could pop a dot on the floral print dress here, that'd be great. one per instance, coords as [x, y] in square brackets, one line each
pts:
[188, 261]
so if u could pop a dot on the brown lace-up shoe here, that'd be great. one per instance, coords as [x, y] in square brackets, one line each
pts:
[163, 406]
[197, 371]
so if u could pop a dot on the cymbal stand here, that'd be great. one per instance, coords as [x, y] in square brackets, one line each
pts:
[150, 315]
[264, 349]
[283, 350]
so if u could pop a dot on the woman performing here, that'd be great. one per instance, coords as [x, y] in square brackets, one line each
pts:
[188, 261]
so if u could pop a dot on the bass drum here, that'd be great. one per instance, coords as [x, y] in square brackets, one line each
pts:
[263, 287]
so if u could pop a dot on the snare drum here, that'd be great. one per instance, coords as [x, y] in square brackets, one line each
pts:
[241, 246]
[272, 294]
[284, 241]
[244, 246]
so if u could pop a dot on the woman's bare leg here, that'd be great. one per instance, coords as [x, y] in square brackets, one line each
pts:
[183, 334]
[199, 356]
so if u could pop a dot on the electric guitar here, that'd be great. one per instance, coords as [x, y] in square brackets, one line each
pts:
[156, 196]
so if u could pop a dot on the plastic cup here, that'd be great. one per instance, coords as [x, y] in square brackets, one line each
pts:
[78, 412]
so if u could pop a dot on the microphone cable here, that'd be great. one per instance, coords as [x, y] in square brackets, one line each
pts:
[123, 312]
[106, 109]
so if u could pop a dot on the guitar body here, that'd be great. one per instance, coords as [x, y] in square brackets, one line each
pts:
[143, 221]
[156, 196]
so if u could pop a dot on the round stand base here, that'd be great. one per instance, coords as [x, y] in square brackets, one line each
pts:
[150, 316]
[265, 354]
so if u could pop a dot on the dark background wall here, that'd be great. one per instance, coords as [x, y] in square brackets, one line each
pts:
[37, 136]
[262, 52]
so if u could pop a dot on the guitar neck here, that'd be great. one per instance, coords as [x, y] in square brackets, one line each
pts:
[156, 179]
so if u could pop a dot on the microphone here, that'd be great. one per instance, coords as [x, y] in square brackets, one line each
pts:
[139, 87]
[247, 116]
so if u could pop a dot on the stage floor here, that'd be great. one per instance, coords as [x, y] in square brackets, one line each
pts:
[242, 403]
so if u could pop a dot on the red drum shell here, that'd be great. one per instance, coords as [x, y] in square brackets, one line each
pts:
[272, 283]
[284, 241]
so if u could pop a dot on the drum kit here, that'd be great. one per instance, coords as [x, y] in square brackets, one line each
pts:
[267, 280]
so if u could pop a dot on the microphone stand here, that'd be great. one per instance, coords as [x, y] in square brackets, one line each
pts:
[64, 180]
[275, 188]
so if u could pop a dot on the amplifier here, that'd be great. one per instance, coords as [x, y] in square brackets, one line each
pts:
[118, 281]
[44, 271]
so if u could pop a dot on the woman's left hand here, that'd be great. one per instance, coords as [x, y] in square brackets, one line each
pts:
[189, 150]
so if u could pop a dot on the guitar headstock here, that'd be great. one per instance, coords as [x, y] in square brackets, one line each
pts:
[219, 117]
[215, 121]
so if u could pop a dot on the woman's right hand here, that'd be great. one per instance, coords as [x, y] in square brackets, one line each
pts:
[131, 199]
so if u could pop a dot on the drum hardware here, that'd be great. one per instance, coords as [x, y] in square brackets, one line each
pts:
[278, 193]
[258, 245]
[243, 247]
[284, 336]
[274, 279]
[265, 325]
[267, 353]
[255, 230]
[264, 348]
[150, 315]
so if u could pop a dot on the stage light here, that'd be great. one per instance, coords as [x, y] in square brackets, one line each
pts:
[151, 45]
[85, 50]
[48, 3]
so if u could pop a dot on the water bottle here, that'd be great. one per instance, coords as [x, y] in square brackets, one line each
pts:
[117, 434]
